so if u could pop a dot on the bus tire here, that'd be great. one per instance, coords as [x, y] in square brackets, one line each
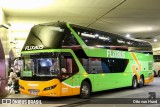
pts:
[141, 81]
[134, 82]
[159, 73]
[85, 90]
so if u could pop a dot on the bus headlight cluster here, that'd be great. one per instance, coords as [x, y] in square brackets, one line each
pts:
[49, 88]
[21, 87]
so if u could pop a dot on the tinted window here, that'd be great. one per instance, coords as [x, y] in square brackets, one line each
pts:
[45, 37]
[114, 65]
[102, 39]
[70, 40]
[104, 65]
[156, 58]
[92, 65]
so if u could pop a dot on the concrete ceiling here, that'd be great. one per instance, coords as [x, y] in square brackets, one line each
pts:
[139, 18]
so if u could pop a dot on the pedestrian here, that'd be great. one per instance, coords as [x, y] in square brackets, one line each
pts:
[12, 77]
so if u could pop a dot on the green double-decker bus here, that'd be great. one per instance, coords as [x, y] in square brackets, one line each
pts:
[62, 59]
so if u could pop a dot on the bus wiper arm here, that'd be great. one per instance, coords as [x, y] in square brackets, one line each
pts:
[38, 39]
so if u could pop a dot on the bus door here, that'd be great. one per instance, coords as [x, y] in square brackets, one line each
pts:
[69, 80]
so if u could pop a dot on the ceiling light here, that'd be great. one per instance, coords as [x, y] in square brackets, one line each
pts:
[149, 28]
[104, 38]
[155, 40]
[128, 35]
[25, 4]
[88, 35]
[21, 26]
[136, 29]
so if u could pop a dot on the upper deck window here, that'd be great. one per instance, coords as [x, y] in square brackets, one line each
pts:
[107, 40]
[44, 36]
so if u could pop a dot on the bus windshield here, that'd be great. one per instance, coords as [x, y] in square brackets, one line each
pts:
[46, 66]
[42, 66]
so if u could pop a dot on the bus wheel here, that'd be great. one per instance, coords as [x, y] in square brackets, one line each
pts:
[141, 81]
[85, 90]
[134, 82]
[159, 73]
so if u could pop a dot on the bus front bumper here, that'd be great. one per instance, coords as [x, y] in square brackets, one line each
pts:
[40, 88]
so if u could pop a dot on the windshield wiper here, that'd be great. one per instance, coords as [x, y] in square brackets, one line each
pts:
[38, 39]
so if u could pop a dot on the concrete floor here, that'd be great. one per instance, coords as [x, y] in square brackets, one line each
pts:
[97, 99]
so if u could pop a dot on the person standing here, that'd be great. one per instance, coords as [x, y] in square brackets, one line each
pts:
[12, 77]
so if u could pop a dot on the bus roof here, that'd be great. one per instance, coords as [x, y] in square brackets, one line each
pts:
[115, 35]
[49, 39]
[63, 24]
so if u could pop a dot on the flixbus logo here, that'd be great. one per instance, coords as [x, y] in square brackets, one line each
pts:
[27, 48]
[29, 84]
[115, 54]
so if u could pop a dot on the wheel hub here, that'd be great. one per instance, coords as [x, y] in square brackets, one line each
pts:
[85, 90]
[135, 83]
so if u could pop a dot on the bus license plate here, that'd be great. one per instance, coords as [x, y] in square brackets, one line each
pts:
[34, 92]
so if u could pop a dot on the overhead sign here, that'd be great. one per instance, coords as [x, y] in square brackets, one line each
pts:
[27, 48]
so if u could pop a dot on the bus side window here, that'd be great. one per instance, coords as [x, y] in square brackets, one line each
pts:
[113, 65]
[85, 63]
[105, 67]
[95, 65]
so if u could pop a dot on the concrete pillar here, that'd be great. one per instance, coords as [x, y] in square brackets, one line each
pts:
[3, 75]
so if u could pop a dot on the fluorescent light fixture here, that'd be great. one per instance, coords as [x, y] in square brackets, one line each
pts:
[155, 40]
[88, 35]
[21, 26]
[95, 36]
[26, 4]
[149, 28]
[128, 35]
[104, 38]
[120, 41]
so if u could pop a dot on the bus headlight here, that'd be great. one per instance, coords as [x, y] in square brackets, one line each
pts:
[21, 87]
[49, 88]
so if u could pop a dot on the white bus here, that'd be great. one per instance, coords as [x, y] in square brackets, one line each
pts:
[156, 65]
